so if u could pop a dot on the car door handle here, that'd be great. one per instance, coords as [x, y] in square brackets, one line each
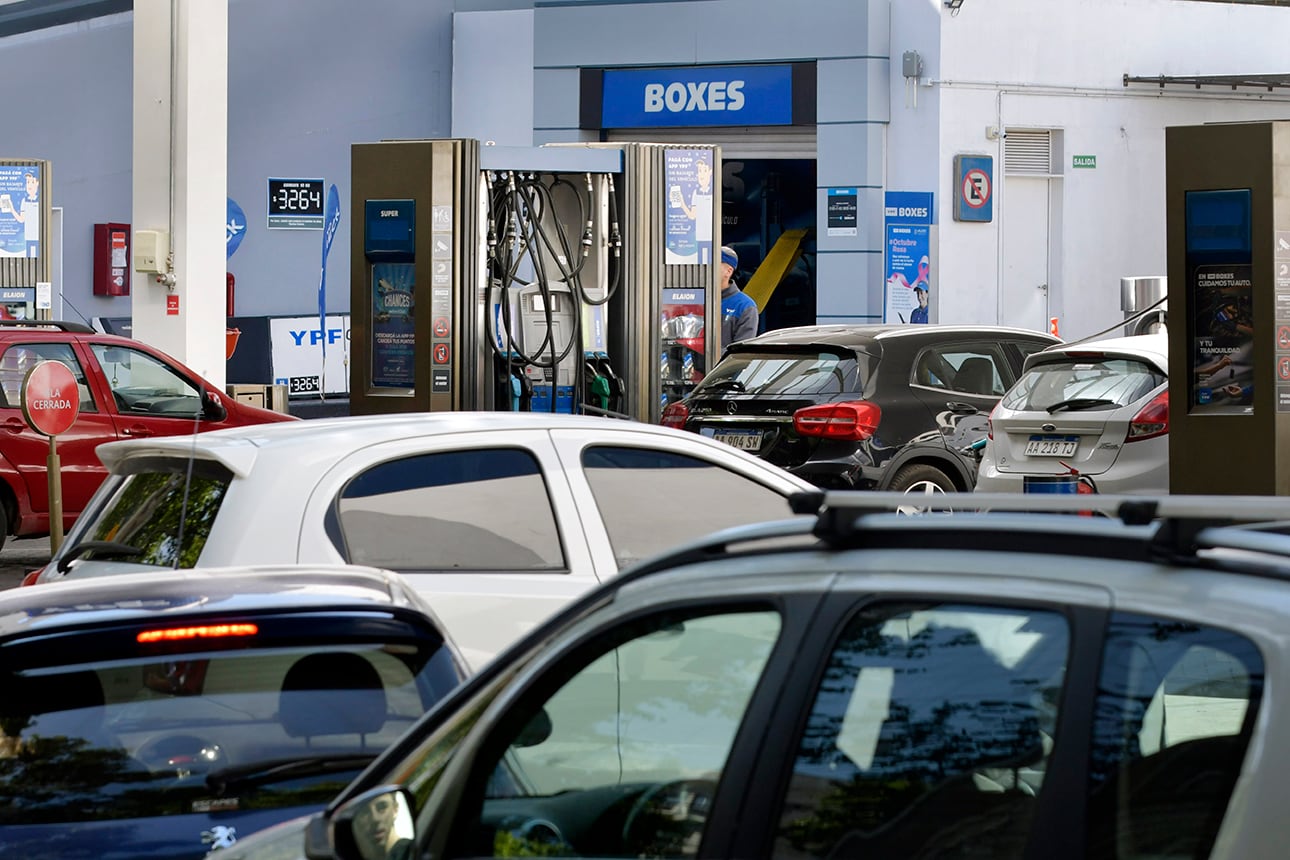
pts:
[137, 431]
[13, 425]
[958, 407]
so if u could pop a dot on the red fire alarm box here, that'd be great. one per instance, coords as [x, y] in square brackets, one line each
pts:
[111, 259]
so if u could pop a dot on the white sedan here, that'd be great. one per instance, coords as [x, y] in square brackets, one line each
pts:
[498, 518]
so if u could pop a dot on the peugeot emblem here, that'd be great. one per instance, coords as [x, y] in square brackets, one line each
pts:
[1048, 428]
[732, 407]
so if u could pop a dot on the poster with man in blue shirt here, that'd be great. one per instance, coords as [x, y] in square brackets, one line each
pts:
[688, 174]
[20, 211]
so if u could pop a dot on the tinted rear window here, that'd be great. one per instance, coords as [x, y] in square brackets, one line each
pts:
[145, 507]
[1118, 380]
[157, 732]
[793, 373]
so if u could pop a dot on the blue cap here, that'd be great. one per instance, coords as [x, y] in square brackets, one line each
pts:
[729, 257]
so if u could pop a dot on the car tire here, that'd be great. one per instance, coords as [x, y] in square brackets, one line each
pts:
[921, 478]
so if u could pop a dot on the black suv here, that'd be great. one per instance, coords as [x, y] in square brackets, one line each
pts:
[869, 407]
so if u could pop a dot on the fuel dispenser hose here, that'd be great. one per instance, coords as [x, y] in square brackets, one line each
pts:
[516, 207]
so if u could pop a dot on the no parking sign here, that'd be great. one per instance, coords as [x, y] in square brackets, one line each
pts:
[973, 188]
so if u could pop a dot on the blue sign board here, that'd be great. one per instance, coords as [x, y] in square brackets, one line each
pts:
[973, 188]
[907, 218]
[697, 96]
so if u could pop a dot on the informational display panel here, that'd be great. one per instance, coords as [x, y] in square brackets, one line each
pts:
[1219, 246]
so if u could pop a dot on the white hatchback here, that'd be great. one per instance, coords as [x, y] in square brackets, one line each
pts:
[1094, 410]
[499, 519]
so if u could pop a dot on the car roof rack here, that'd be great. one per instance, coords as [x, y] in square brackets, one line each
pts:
[1176, 529]
[61, 325]
[1187, 524]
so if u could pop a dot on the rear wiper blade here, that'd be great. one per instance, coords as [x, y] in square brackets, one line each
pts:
[1077, 403]
[264, 773]
[730, 383]
[100, 548]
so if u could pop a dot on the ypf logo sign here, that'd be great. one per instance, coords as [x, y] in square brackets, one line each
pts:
[973, 188]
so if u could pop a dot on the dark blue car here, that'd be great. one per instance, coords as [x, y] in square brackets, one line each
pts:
[148, 716]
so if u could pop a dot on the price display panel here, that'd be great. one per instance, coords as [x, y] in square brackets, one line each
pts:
[296, 204]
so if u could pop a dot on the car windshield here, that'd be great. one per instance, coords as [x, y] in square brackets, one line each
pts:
[157, 732]
[807, 372]
[141, 510]
[1102, 383]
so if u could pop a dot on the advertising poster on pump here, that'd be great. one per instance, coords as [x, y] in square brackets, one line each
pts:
[689, 184]
[1222, 340]
[393, 339]
[20, 210]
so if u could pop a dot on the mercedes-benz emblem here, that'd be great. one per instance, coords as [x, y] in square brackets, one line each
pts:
[732, 407]
[1048, 428]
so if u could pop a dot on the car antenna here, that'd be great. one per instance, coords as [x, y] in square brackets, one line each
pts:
[188, 482]
[75, 309]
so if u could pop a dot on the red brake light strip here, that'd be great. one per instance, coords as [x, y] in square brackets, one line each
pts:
[205, 631]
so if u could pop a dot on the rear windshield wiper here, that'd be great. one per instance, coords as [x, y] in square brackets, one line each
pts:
[1077, 403]
[100, 548]
[728, 383]
[264, 773]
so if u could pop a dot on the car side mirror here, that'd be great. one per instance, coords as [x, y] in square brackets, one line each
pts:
[213, 407]
[376, 825]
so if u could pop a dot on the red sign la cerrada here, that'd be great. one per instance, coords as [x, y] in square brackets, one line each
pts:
[50, 398]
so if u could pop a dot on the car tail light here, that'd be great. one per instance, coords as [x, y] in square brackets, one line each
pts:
[1152, 420]
[30, 578]
[675, 415]
[989, 423]
[200, 631]
[854, 420]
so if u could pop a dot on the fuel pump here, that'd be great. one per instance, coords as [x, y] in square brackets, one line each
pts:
[497, 278]
[548, 322]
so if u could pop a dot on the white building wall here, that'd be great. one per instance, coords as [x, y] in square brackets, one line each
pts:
[1060, 65]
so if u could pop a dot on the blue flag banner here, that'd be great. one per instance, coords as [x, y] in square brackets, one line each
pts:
[234, 228]
[331, 221]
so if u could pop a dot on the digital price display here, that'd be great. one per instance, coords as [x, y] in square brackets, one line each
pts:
[296, 204]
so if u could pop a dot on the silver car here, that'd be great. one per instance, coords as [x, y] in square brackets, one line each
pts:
[1084, 416]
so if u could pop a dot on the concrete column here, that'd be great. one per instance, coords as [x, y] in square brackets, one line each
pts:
[180, 176]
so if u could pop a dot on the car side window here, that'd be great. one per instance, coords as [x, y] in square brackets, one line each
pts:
[141, 383]
[624, 757]
[20, 358]
[1027, 348]
[474, 509]
[929, 735]
[1174, 715]
[652, 500]
[966, 368]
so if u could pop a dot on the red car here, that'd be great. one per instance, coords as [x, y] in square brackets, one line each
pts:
[128, 390]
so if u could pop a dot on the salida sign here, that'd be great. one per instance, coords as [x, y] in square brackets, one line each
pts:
[50, 398]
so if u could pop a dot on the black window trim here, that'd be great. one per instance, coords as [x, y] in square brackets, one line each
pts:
[1003, 362]
[796, 610]
[332, 527]
[1058, 829]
